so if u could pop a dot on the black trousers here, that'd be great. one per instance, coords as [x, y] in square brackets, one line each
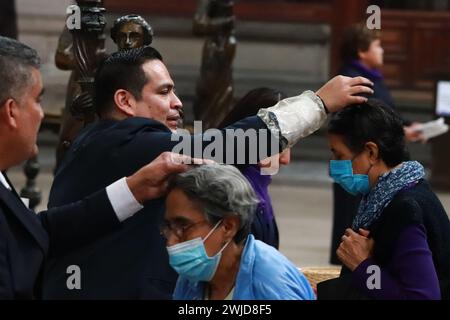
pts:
[345, 207]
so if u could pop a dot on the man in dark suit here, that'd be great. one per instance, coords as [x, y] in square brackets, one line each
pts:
[26, 238]
[139, 109]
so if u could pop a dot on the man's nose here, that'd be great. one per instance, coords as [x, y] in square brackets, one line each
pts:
[176, 102]
[41, 113]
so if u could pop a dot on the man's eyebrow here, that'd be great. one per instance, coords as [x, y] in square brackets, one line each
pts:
[166, 85]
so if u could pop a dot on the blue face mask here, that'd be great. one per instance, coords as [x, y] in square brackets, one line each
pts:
[342, 173]
[191, 261]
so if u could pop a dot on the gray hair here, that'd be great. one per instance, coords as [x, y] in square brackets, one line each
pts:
[221, 190]
[16, 60]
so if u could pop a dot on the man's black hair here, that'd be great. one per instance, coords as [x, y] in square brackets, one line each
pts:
[122, 70]
[375, 122]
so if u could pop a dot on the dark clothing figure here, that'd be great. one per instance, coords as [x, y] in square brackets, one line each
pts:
[413, 230]
[264, 226]
[381, 92]
[27, 239]
[8, 19]
[345, 205]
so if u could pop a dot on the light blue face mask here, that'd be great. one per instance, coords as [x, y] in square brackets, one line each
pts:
[191, 261]
[342, 173]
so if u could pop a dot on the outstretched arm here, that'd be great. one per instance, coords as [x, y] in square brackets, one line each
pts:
[79, 223]
[297, 117]
[255, 138]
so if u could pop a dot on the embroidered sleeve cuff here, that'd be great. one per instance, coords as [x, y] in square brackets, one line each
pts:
[295, 118]
[122, 200]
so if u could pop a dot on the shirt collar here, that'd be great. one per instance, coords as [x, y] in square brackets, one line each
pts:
[4, 182]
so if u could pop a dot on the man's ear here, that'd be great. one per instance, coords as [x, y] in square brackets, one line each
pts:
[230, 225]
[9, 112]
[125, 102]
[362, 54]
[374, 152]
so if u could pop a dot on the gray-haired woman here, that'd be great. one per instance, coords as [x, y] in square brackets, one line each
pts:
[209, 211]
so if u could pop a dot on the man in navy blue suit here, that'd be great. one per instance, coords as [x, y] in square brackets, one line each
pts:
[139, 111]
[26, 238]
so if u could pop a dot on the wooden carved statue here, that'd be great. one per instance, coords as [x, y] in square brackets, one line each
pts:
[214, 93]
[80, 50]
[70, 126]
[131, 31]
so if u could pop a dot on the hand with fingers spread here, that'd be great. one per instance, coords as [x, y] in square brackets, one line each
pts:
[342, 91]
[355, 248]
[150, 182]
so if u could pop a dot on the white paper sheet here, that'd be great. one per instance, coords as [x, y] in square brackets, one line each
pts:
[433, 128]
[443, 98]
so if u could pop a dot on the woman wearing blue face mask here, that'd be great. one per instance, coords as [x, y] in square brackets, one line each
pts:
[399, 243]
[209, 212]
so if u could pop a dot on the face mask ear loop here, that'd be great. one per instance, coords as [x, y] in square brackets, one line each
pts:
[351, 160]
[212, 230]
[224, 247]
[370, 168]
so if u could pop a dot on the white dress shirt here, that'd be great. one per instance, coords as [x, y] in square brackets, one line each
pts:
[122, 200]
[4, 182]
[119, 194]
